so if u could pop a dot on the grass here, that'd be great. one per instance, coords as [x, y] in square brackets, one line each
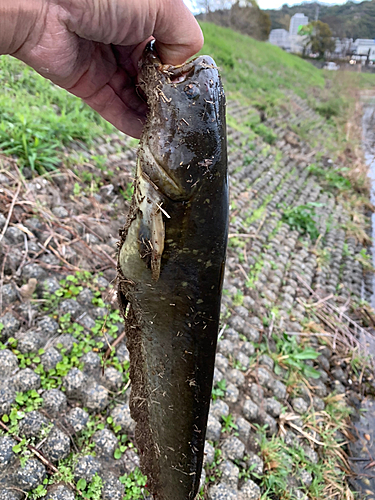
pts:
[38, 118]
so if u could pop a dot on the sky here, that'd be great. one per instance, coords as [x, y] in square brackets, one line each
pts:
[272, 4]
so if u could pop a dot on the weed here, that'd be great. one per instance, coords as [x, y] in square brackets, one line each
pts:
[292, 355]
[135, 485]
[219, 389]
[238, 298]
[303, 218]
[332, 178]
[365, 260]
[229, 424]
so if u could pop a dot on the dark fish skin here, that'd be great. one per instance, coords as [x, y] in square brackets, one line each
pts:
[171, 266]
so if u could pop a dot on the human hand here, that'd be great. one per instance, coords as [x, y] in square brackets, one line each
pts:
[92, 47]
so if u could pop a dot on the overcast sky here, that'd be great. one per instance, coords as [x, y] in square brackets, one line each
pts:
[273, 4]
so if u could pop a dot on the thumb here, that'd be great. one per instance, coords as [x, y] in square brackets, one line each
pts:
[177, 33]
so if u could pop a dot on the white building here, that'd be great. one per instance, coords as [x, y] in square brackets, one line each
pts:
[343, 47]
[363, 47]
[296, 22]
[280, 37]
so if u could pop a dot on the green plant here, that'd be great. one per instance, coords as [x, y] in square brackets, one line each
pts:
[229, 424]
[218, 391]
[292, 355]
[92, 490]
[302, 218]
[135, 484]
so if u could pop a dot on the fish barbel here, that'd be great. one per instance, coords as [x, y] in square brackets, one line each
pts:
[171, 267]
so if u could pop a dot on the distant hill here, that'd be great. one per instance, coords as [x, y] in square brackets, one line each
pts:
[352, 20]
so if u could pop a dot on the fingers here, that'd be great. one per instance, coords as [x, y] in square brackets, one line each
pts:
[177, 33]
[111, 107]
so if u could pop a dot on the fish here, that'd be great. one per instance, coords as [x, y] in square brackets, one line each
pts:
[171, 263]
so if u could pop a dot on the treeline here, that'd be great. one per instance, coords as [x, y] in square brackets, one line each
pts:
[246, 18]
[350, 20]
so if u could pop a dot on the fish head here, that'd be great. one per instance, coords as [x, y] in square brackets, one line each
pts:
[184, 141]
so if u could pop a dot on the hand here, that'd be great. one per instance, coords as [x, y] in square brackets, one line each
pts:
[92, 47]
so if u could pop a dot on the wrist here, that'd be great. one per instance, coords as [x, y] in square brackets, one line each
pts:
[17, 20]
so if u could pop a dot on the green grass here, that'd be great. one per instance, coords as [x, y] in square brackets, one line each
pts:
[37, 118]
[258, 70]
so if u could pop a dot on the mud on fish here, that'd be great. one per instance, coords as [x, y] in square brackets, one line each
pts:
[171, 266]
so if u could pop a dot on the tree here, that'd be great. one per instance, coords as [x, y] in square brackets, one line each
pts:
[318, 36]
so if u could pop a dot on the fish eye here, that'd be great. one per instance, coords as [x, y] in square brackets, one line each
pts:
[192, 90]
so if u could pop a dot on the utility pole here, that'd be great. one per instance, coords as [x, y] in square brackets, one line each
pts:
[317, 12]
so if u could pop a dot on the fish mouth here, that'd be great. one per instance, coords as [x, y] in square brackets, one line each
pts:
[158, 175]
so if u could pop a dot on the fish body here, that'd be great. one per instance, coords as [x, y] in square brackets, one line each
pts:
[171, 267]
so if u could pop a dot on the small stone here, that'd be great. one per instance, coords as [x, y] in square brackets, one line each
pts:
[221, 491]
[311, 454]
[270, 423]
[338, 387]
[233, 448]
[50, 359]
[213, 429]
[229, 473]
[131, 460]
[318, 403]
[248, 348]
[105, 443]
[32, 424]
[8, 363]
[74, 383]
[7, 455]
[34, 271]
[14, 235]
[221, 362]
[263, 377]
[243, 429]
[78, 418]
[272, 407]
[266, 361]
[278, 389]
[255, 463]
[96, 397]
[339, 374]
[299, 405]
[219, 409]
[31, 475]
[85, 297]
[10, 324]
[236, 377]
[91, 362]
[305, 477]
[243, 359]
[51, 285]
[10, 494]
[7, 398]
[30, 341]
[86, 468]
[231, 393]
[250, 410]
[209, 453]
[218, 376]
[250, 491]
[231, 335]
[121, 416]
[112, 488]
[60, 492]
[112, 379]
[319, 388]
[70, 306]
[54, 402]
[257, 393]
[57, 445]
[87, 322]
[225, 347]
[48, 326]
[122, 353]
[64, 343]
[8, 294]
[60, 212]
[26, 380]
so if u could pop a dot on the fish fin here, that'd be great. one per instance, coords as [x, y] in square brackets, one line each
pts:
[157, 242]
